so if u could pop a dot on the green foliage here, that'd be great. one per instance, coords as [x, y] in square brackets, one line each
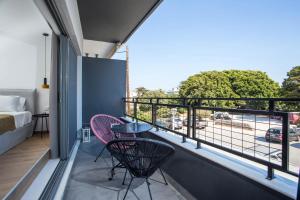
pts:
[144, 116]
[230, 84]
[203, 114]
[140, 91]
[163, 112]
[145, 93]
[256, 84]
[291, 85]
[291, 89]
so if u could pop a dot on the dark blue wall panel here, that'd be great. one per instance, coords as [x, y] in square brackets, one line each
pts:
[72, 97]
[103, 87]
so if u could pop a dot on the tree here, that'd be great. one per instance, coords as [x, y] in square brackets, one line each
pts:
[291, 89]
[145, 93]
[291, 85]
[140, 91]
[229, 84]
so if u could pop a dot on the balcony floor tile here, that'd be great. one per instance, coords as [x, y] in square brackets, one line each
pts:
[89, 180]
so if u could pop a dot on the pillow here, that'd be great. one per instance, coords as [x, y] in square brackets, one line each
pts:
[9, 103]
[21, 106]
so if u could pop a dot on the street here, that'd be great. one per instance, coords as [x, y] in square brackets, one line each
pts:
[250, 140]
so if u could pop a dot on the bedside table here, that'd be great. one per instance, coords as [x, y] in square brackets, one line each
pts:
[44, 117]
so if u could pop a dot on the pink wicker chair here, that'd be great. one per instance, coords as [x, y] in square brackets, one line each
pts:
[101, 126]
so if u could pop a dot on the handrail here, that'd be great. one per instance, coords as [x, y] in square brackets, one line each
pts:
[191, 132]
[221, 98]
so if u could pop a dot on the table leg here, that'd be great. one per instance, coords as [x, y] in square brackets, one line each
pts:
[42, 127]
[36, 120]
[47, 125]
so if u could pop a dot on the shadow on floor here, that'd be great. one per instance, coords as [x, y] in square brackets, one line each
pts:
[296, 145]
[89, 180]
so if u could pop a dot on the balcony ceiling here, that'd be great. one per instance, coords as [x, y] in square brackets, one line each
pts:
[113, 20]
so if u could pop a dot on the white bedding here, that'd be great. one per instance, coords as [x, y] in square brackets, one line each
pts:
[21, 118]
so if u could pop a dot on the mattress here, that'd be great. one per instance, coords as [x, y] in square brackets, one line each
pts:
[21, 118]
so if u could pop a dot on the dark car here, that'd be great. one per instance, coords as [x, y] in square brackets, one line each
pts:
[275, 135]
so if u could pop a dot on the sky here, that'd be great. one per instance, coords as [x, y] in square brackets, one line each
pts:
[182, 38]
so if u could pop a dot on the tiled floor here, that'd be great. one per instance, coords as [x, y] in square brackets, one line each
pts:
[89, 180]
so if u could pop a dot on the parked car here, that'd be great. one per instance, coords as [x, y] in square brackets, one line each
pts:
[177, 123]
[276, 117]
[275, 135]
[200, 124]
[167, 123]
[222, 115]
[294, 117]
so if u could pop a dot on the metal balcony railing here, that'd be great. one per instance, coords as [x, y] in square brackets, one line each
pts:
[257, 129]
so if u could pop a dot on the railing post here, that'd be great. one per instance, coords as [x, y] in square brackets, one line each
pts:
[183, 139]
[135, 110]
[271, 105]
[189, 122]
[125, 106]
[298, 193]
[193, 123]
[157, 102]
[153, 114]
[184, 100]
[132, 115]
[270, 174]
[285, 141]
[194, 127]
[199, 102]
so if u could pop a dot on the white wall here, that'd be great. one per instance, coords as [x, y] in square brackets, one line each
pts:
[18, 62]
[22, 48]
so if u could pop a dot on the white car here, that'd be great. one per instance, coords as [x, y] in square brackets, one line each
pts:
[222, 115]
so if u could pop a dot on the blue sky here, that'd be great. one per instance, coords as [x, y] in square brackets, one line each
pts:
[182, 38]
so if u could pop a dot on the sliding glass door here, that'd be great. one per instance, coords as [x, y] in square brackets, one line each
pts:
[67, 97]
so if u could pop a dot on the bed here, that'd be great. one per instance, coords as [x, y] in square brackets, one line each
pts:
[23, 126]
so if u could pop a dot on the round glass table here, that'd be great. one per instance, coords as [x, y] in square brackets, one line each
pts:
[131, 128]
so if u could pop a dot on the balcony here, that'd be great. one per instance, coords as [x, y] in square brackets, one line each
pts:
[217, 157]
[89, 179]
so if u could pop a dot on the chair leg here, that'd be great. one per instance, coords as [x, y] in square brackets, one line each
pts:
[112, 161]
[162, 174]
[102, 150]
[148, 184]
[128, 188]
[123, 183]
[112, 171]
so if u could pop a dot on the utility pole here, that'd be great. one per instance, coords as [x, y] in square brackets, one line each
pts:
[127, 79]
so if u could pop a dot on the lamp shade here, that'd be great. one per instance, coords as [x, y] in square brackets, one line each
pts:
[45, 84]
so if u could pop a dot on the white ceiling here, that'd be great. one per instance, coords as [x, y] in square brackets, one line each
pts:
[103, 49]
[21, 20]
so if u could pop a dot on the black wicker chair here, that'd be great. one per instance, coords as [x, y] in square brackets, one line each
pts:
[141, 157]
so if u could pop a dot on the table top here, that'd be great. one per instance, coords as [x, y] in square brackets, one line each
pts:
[133, 128]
